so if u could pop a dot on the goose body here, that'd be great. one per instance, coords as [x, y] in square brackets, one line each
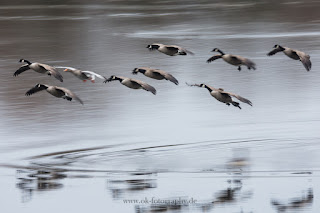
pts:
[235, 60]
[83, 75]
[223, 96]
[171, 50]
[40, 68]
[293, 54]
[59, 92]
[155, 74]
[132, 83]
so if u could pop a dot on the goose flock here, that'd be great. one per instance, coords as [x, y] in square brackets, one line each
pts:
[171, 50]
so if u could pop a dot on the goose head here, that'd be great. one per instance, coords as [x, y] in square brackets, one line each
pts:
[24, 61]
[153, 46]
[135, 71]
[277, 46]
[217, 50]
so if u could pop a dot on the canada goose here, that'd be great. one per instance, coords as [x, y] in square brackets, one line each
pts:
[294, 54]
[132, 83]
[232, 59]
[223, 96]
[83, 75]
[155, 74]
[59, 92]
[171, 50]
[40, 68]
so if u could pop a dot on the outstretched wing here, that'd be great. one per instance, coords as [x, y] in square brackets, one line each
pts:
[22, 69]
[167, 76]
[37, 88]
[52, 71]
[274, 51]
[215, 57]
[70, 94]
[305, 59]
[244, 100]
[145, 86]
[91, 74]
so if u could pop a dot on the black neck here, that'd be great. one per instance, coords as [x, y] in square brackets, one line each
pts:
[222, 53]
[281, 48]
[208, 88]
[141, 70]
[42, 86]
[118, 79]
[28, 62]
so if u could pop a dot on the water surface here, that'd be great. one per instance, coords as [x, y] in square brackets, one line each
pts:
[127, 144]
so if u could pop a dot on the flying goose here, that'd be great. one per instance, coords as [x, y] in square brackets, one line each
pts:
[82, 75]
[232, 59]
[223, 96]
[132, 83]
[59, 92]
[294, 54]
[171, 50]
[155, 74]
[40, 68]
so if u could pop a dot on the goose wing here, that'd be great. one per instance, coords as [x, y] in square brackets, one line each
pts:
[172, 48]
[181, 49]
[93, 74]
[69, 94]
[215, 57]
[167, 76]
[62, 67]
[274, 51]
[240, 98]
[248, 62]
[145, 86]
[305, 59]
[36, 88]
[22, 69]
[52, 71]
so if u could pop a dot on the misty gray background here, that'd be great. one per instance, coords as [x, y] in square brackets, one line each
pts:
[182, 136]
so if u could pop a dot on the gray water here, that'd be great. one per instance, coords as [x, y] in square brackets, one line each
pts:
[124, 144]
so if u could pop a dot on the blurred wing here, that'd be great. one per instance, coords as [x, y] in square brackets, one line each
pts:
[70, 94]
[52, 71]
[181, 49]
[22, 69]
[215, 57]
[94, 74]
[249, 63]
[244, 100]
[305, 59]
[62, 67]
[35, 89]
[189, 52]
[274, 51]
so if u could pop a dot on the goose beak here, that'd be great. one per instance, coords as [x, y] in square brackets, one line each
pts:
[65, 70]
